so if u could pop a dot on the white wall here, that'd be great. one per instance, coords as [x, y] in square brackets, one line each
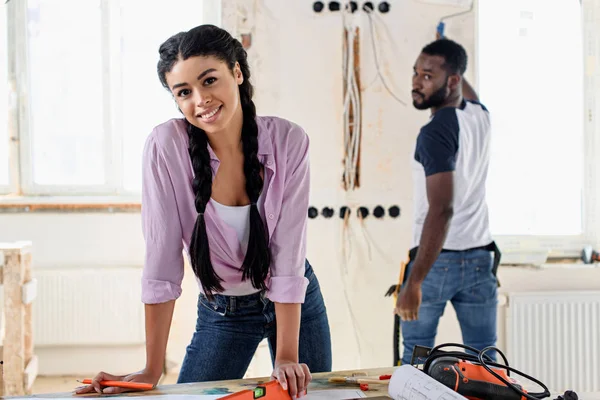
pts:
[296, 59]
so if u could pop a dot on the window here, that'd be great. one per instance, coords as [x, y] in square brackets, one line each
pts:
[66, 124]
[94, 95]
[4, 181]
[531, 78]
[145, 103]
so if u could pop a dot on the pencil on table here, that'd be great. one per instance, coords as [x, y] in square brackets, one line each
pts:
[355, 380]
[122, 384]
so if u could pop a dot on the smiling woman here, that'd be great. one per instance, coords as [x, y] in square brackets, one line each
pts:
[239, 212]
[209, 88]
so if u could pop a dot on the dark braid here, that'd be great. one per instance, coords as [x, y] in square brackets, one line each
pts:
[258, 257]
[209, 40]
[202, 185]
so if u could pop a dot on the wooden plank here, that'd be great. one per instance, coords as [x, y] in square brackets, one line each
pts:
[1, 375]
[14, 311]
[22, 246]
[31, 372]
[319, 382]
[1, 267]
[28, 309]
[29, 291]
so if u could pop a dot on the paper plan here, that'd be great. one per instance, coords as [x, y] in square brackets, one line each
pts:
[409, 383]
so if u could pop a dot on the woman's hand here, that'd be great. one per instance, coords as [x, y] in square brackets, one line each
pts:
[140, 376]
[292, 376]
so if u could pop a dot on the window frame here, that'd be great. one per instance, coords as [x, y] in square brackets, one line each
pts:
[9, 98]
[15, 93]
[21, 179]
[538, 249]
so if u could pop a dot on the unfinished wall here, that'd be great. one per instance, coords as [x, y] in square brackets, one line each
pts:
[298, 74]
[296, 61]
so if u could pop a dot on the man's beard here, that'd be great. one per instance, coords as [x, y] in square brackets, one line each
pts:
[435, 100]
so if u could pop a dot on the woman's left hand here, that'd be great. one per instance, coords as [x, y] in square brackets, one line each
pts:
[293, 376]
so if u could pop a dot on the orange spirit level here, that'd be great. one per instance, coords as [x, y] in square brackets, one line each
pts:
[267, 391]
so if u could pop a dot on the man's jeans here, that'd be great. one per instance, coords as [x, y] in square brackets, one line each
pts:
[464, 278]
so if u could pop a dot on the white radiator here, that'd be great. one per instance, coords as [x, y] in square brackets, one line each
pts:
[555, 338]
[88, 306]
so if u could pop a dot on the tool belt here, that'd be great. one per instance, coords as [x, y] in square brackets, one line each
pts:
[395, 289]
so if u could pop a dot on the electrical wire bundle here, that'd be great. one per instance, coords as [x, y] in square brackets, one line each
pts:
[352, 107]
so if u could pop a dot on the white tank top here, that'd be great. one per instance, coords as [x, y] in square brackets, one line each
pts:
[238, 218]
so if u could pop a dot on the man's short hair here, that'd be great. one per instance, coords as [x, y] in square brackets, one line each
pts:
[453, 53]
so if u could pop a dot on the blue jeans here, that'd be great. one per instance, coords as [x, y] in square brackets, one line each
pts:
[464, 278]
[230, 328]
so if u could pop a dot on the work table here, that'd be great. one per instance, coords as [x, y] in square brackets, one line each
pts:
[319, 382]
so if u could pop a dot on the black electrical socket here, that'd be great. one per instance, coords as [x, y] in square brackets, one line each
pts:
[327, 212]
[312, 212]
[394, 211]
[384, 7]
[353, 5]
[318, 6]
[334, 6]
[344, 211]
[368, 6]
[362, 212]
[378, 212]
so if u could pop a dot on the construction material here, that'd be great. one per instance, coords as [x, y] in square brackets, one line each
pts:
[20, 365]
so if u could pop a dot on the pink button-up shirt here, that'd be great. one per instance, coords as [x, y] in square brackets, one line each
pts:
[169, 214]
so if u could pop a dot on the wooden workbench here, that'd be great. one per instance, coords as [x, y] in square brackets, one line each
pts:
[319, 382]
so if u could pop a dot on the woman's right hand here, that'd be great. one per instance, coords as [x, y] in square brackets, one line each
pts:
[140, 376]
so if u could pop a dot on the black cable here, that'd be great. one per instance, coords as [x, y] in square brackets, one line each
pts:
[459, 354]
[486, 362]
[533, 396]
[396, 340]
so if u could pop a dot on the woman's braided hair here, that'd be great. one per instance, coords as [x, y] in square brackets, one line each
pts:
[209, 40]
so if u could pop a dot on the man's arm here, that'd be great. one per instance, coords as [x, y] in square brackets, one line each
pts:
[440, 190]
[436, 149]
[468, 92]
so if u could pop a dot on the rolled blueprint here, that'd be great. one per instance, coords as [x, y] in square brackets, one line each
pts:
[410, 383]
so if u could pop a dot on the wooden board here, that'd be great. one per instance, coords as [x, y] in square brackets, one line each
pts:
[319, 382]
